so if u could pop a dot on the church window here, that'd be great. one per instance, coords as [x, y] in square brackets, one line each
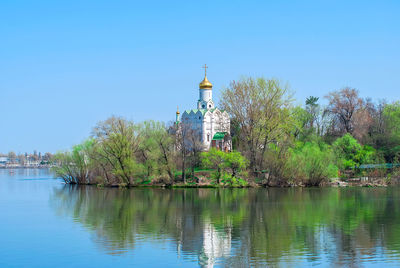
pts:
[199, 117]
[203, 106]
[209, 106]
[208, 137]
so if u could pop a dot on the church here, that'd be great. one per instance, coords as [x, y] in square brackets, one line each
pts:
[211, 124]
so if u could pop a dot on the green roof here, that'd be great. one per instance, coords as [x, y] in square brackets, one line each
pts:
[203, 111]
[219, 136]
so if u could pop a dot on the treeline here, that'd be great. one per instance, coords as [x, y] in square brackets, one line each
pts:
[25, 158]
[275, 141]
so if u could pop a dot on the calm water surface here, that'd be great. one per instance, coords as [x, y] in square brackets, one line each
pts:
[44, 223]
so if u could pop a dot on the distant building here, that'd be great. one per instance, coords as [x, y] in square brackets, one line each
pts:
[3, 160]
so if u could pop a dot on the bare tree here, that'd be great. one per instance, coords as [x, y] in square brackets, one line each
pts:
[12, 157]
[195, 147]
[349, 113]
[187, 140]
[21, 159]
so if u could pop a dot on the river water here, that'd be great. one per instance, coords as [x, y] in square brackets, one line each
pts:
[45, 223]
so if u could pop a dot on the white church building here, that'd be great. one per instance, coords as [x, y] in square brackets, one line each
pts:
[210, 123]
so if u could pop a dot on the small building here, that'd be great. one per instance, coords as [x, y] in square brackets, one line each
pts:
[3, 160]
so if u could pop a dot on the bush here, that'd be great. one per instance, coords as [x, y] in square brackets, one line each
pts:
[74, 167]
[222, 162]
[312, 163]
[228, 180]
[350, 154]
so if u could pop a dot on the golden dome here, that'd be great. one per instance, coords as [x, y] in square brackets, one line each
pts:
[205, 84]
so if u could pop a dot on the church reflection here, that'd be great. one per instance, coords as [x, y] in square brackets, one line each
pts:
[242, 227]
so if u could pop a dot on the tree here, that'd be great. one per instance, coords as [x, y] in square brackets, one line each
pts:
[235, 162]
[157, 149]
[261, 111]
[21, 159]
[312, 108]
[222, 162]
[12, 157]
[349, 112]
[119, 141]
[195, 148]
[166, 145]
[350, 153]
[47, 156]
[74, 167]
[214, 159]
[389, 141]
[188, 144]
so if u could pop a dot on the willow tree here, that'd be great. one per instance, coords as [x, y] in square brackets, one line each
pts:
[75, 167]
[118, 141]
[261, 110]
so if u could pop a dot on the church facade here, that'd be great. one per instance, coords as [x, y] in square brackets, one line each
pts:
[211, 124]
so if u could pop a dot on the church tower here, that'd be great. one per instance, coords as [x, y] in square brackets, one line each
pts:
[205, 93]
[211, 125]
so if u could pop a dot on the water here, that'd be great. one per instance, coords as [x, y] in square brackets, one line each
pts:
[44, 223]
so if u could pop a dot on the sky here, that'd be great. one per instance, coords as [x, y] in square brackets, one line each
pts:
[65, 65]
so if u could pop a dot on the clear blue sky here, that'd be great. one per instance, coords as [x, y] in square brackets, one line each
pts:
[64, 65]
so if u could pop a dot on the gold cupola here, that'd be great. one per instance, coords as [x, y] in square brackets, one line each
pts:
[205, 84]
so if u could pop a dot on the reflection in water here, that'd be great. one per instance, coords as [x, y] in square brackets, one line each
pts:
[341, 226]
[215, 244]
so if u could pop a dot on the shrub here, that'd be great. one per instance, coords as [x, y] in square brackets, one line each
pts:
[311, 162]
[351, 154]
[222, 162]
[74, 167]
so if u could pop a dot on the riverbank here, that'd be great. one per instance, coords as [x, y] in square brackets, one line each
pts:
[207, 183]
[11, 167]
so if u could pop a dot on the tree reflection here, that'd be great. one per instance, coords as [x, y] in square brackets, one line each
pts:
[243, 226]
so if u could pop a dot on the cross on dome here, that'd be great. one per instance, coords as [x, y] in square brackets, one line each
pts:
[205, 84]
[205, 69]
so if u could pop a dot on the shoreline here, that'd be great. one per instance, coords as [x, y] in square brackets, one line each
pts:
[336, 183]
[25, 167]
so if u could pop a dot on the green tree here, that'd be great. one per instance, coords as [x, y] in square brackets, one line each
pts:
[389, 142]
[157, 149]
[235, 162]
[119, 141]
[75, 167]
[222, 162]
[349, 153]
[214, 159]
[261, 110]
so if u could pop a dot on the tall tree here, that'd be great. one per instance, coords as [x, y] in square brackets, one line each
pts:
[261, 110]
[312, 109]
[157, 149]
[119, 141]
[188, 144]
[390, 139]
[349, 113]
